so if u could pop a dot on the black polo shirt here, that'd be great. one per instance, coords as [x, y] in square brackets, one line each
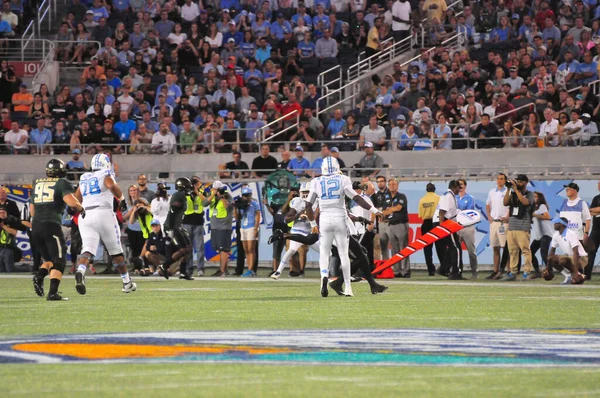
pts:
[397, 217]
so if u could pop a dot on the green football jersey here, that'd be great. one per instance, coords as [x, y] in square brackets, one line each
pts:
[47, 198]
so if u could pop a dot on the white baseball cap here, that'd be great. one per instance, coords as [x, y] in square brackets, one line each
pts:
[218, 185]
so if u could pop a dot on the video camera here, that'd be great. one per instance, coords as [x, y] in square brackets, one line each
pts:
[161, 190]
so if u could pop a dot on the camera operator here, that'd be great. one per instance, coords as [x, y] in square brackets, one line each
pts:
[154, 251]
[159, 206]
[520, 202]
[247, 211]
[221, 221]
[141, 213]
[193, 223]
[278, 213]
[9, 225]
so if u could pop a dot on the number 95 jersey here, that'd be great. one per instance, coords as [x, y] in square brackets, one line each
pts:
[331, 191]
[93, 191]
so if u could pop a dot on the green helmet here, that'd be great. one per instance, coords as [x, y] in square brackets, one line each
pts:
[56, 168]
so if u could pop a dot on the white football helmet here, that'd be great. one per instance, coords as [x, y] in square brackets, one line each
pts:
[100, 162]
[304, 190]
[330, 166]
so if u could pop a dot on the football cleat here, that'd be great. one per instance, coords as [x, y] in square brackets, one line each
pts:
[337, 286]
[38, 285]
[164, 270]
[129, 287]
[56, 297]
[348, 291]
[378, 289]
[324, 291]
[80, 280]
[275, 275]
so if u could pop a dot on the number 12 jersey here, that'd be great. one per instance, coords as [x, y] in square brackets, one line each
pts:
[331, 191]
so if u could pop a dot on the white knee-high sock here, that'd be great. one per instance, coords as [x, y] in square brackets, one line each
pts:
[285, 260]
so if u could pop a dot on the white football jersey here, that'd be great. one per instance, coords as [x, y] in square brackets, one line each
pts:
[301, 227]
[331, 191]
[93, 190]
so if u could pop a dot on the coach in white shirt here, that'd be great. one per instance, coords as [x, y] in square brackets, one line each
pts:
[498, 218]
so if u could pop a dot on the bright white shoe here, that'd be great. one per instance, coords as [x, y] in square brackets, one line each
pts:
[129, 287]
[348, 291]
[567, 280]
[276, 275]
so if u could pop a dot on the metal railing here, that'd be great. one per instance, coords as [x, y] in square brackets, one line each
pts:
[511, 112]
[595, 87]
[385, 55]
[353, 86]
[262, 131]
[29, 49]
[35, 82]
[383, 44]
[45, 12]
[324, 84]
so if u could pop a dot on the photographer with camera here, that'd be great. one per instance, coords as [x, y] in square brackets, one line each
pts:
[9, 253]
[520, 202]
[221, 209]
[247, 211]
[141, 213]
[193, 223]
[155, 251]
[159, 206]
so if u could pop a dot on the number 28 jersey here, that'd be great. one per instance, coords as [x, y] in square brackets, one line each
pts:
[93, 191]
[331, 191]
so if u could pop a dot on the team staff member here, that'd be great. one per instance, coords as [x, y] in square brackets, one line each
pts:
[193, 223]
[447, 209]
[594, 239]
[574, 256]
[467, 234]
[395, 214]
[221, 221]
[497, 214]
[382, 228]
[520, 202]
[427, 206]
[576, 210]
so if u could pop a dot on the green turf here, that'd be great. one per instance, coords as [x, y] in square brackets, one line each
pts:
[233, 304]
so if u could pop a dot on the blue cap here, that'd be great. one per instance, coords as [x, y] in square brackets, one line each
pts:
[76, 152]
[334, 149]
[558, 220]
[516, 16]
[246, 191]
[154, 222]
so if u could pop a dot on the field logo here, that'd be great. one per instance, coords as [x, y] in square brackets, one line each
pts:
[397, 347]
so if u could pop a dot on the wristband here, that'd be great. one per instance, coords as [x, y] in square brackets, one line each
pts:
[374, 210]
[313, 224]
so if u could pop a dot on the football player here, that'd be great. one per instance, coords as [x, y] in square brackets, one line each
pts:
[50, 196]
[178, 238]
[97, 191]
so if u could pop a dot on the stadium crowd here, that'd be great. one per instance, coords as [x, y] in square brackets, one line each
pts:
[207, 76]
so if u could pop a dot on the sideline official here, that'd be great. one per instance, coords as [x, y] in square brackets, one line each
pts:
[427, 206]
[447, 209]
[395, 214]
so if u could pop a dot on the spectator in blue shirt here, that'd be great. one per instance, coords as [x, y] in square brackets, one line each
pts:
[263, 52]
[306, 47]
[41, 137]
[253, 125]
[278, 26]
[302, 14]
[316, 164]
[587, 71]
[442, 132]
[234, 34]
[121, 5]
[5, 28]
[335, 125]
[551, 31]
[75, 163]
[320, 17]
[164, 26]
[230, 4]
[299, 165]
[464, 201]
[99, 11]
[124, 129]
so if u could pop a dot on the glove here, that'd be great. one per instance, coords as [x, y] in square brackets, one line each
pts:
[123, 206]
[71, 211]
[82, 213]
[169, 233]
[363, 220]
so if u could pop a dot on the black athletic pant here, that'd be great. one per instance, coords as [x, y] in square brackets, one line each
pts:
[360, 261]
[35, 253]
[447, 252]
[428, 250]
[595, 239]
[543, 245]
[136, 242]
[367, 242]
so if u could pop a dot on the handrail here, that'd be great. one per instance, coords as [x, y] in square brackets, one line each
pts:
[386, 41]
[385, 55]
[595, 87]
[323, 85]
[45, 62]
[354, 85]
[30, 30]
[44, 10]
[260, 132]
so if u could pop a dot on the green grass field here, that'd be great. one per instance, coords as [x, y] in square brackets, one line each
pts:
[252, 305]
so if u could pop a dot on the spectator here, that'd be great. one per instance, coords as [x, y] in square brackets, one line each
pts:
[233, 167]
[371, 163]
[487, 134]
[316, 164]
[16, 139]
[373, 45]
[326, 47]
[164, 141]
[549, 129]
[188, 138]
[124, 129]
[300, 166]
[22, 100]
[373, 134]
[264, 164]
[443, 133]
[9, 205]
[250, 216]
[41, 138]
[60, 139]
[401, 17]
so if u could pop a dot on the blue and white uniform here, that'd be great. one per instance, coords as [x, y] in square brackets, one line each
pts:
[248, 215]
[100, 222]
[577, 212]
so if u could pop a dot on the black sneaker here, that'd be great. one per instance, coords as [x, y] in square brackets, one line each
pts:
[80, 280]
[186, 277]
[164, 270]
[406, 276]
[324, 291]
[294, 274]
[377, 288]
[277, 234]
[38, 286]
[337, 285]
[301, 274]
[491, 276]
[56, 297]
[439, 272]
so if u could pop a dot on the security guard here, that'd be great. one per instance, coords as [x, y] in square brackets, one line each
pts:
[193, 223]
[427, 206]
[378, 199]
